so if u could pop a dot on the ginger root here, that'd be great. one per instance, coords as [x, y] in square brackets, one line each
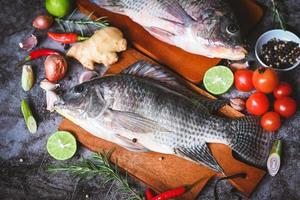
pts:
[100, 48]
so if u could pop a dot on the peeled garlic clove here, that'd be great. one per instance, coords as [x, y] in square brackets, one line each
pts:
[87, 75]
[48, 86]
[51, 98]
[239, 65]
[29, 42]
[238, 104]
[27, 79]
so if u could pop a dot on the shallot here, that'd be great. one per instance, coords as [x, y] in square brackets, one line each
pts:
[55, 67]
[42, 22]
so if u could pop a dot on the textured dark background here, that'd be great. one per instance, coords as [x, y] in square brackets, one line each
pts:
[23, 156]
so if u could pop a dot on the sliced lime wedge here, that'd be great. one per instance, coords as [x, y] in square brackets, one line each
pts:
[61, 145]
[217, 80]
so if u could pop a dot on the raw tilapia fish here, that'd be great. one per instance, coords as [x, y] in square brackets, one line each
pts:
[204, 27]
[148, 108]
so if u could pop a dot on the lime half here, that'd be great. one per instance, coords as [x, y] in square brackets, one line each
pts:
[61, 145]
[217, 80]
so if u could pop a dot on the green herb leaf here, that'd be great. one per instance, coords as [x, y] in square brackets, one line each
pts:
[99, 164]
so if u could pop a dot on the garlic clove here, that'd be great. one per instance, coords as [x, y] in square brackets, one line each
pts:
[29, 43]
[51, 99]
[239, 65]
[238, 104]
[87, 75]
[48, 86]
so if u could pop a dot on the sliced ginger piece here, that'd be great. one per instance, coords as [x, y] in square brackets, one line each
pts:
[100, 48]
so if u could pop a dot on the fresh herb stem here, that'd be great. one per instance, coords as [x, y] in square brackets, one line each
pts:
[85, 24]
[101, 22]
[99, 164]
[277, 14]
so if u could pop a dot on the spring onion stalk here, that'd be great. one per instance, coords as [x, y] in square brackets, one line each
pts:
[29, 119]
[273, 162]
[27, 79]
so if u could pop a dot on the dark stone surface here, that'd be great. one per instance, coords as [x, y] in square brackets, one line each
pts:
[29, 180]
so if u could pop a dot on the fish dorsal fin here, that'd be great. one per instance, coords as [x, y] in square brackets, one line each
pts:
[159, 73]
[146, 69]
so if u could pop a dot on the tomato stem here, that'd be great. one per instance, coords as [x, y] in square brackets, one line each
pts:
[261, 70]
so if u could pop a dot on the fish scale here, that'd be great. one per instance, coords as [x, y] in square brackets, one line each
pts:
[185, 120]
[161, 116]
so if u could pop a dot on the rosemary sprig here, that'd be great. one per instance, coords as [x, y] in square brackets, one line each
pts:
[277, 15]
[84, 24]
[99, 164]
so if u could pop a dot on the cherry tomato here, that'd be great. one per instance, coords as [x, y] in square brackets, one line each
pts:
[265, 80]
[285, 106]
[283, 90]
[243, 80]
[257, 103]
[270, 121]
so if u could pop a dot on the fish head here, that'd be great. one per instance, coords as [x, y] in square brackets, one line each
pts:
[83, 101]
[218, 31]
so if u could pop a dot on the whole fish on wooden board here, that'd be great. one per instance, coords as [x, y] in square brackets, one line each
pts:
[204, 27]
[148, 108]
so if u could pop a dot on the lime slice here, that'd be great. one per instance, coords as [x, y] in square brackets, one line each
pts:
[61, 145]
[217, 80]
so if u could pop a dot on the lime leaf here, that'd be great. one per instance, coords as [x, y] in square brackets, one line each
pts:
[218, 80]
[61, 145]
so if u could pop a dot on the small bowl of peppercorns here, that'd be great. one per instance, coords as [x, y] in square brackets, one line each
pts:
[278, 49]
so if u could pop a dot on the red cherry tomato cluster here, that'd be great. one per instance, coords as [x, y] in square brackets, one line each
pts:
[265, 81]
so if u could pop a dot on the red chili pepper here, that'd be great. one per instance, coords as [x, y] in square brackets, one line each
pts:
[39, 53]
[177, 191]
[171, 193]
[66, 38]
[148, 194]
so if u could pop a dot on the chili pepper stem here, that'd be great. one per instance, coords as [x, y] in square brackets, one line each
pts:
[24, 61]
[81, 38]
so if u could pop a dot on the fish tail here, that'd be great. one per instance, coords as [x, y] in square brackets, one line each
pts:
[250, 141]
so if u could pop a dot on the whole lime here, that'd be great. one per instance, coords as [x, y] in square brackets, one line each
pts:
[58, 8]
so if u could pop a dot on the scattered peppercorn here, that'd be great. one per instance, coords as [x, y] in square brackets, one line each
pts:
[279, 53]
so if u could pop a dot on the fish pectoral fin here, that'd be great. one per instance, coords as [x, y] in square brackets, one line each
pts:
[160, 33]
[200, 153]
[129, 144]
[175, 9]
[135, 122]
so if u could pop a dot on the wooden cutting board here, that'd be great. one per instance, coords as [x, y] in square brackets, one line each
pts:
[171, 171]
[190, 66]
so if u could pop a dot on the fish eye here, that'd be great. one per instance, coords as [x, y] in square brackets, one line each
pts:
[232, 28]
[78, 88]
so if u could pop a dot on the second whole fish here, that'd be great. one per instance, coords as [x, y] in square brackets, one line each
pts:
[148, 108]
[204, 27]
